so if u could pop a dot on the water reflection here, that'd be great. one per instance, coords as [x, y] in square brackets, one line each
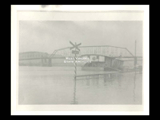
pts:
[105, 80]
[108, 79]
[121, 88]
[134, 87]
[92, 80]
[119, 76]
[96, 80]
[87, 82]
[74, 92]
[118, 83]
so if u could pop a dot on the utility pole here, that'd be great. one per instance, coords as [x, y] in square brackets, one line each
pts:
[135, 63]
[135, 59]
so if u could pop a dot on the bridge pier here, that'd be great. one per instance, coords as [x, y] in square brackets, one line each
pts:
[50, 62]
[42, 63]
[108, 61]
[46, 61]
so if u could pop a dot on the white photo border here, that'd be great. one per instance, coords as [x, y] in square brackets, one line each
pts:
[104, 12]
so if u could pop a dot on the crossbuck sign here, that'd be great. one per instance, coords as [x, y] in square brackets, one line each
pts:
[75, 46]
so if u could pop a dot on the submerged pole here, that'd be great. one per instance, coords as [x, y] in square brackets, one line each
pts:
[75, 70]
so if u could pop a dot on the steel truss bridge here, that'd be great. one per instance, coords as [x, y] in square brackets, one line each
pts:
[113, 55]
[110, 54]
[103, 50]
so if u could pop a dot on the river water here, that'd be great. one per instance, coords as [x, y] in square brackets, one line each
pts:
[55, 85]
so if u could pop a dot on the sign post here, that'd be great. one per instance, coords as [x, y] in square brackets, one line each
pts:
[75, 51]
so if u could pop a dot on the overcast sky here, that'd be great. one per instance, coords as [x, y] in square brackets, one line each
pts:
[47, 36]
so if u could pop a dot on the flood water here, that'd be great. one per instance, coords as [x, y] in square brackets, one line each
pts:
[56, 85]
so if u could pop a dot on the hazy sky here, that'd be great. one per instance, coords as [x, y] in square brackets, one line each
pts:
[46, 36]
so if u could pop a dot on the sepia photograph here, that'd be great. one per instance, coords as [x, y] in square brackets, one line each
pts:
[80, 58]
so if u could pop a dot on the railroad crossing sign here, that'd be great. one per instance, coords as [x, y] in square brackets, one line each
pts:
[75, 51]
[75, 46]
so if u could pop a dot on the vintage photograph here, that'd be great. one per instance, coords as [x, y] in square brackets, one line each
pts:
[80, 62]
